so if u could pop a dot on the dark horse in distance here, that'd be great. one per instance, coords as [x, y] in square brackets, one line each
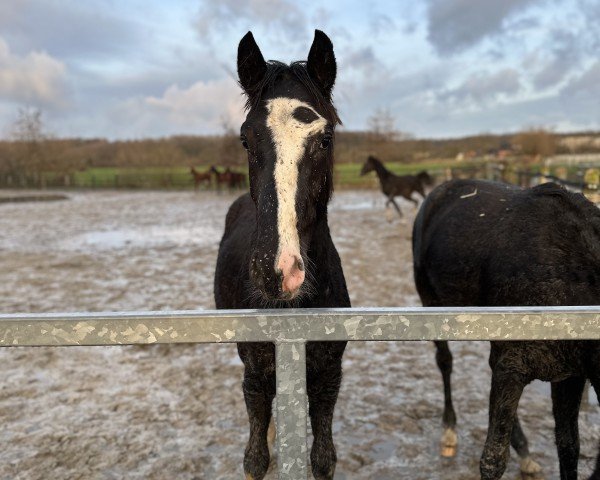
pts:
[478, 243]
[277, 251]
[393, 185]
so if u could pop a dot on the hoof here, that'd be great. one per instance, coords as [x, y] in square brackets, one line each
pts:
[449, 443]
[529, 467]
[328, 476]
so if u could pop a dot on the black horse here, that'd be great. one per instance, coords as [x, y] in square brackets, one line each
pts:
[393, 185]
[478, 243]
[277, 250]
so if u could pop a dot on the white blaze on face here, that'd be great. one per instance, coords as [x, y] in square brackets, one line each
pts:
[289, 136]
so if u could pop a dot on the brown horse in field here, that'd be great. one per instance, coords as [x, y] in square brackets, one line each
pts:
[229, 178]
[236, 180]
[201, 177]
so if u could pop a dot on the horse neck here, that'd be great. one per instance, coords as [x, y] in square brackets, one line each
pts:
[382, 172]
[319, 248]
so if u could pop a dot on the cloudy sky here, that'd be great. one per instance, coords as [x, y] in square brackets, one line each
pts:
[442, 67]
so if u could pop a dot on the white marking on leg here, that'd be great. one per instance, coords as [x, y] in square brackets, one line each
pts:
[449, 442]
[289, 137]
[529, 466]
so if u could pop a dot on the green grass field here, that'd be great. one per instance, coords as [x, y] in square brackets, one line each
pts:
[347, 175]
[143, 177]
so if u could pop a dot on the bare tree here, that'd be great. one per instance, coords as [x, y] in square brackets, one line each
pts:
[382, 125]
[29, 126]
[27, 158]
[536, 143]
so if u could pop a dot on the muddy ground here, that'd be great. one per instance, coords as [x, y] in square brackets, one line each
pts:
[177, 412]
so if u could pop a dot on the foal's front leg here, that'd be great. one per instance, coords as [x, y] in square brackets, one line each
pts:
[323, 388]
[505, 393]
[259, 391]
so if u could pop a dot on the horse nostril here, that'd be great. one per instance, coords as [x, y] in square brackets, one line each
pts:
[300, 264]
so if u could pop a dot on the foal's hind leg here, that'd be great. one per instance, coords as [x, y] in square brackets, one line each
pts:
[410, 199]
[518, 440]
[323, 388]
[393, 202]
[443, 357]
[566, 398]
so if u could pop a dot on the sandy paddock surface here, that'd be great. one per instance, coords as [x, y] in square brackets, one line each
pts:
[177, 412]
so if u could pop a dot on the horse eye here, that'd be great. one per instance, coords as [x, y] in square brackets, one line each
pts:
[244, 143]
[325, 142]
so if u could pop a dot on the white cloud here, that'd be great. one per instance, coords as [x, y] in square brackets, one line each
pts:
[198, 109]
[485, 88]
[35, 78]
[363, 60]
[586, 86]
[281, 15]
[454, 25]
[443, 67]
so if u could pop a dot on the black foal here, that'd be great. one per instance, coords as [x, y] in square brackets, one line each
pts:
[276, 251]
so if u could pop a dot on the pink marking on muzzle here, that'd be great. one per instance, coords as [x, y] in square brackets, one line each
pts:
[292, 268]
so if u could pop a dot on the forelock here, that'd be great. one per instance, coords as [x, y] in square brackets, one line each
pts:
[275, 72]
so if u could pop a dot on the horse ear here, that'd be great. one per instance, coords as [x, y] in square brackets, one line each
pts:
[251, 65]
[321, 64]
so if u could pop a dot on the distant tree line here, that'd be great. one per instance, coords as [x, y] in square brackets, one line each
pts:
[31, 151]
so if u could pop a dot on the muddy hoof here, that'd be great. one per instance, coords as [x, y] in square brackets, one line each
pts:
[449, 443]
[327, 476]
[530, 469]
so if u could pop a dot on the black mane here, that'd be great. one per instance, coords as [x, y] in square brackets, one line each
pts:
[275, 70]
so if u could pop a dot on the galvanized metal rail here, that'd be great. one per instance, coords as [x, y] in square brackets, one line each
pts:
[290, 330]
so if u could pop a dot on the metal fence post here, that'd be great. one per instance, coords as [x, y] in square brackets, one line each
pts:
[292, 402]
